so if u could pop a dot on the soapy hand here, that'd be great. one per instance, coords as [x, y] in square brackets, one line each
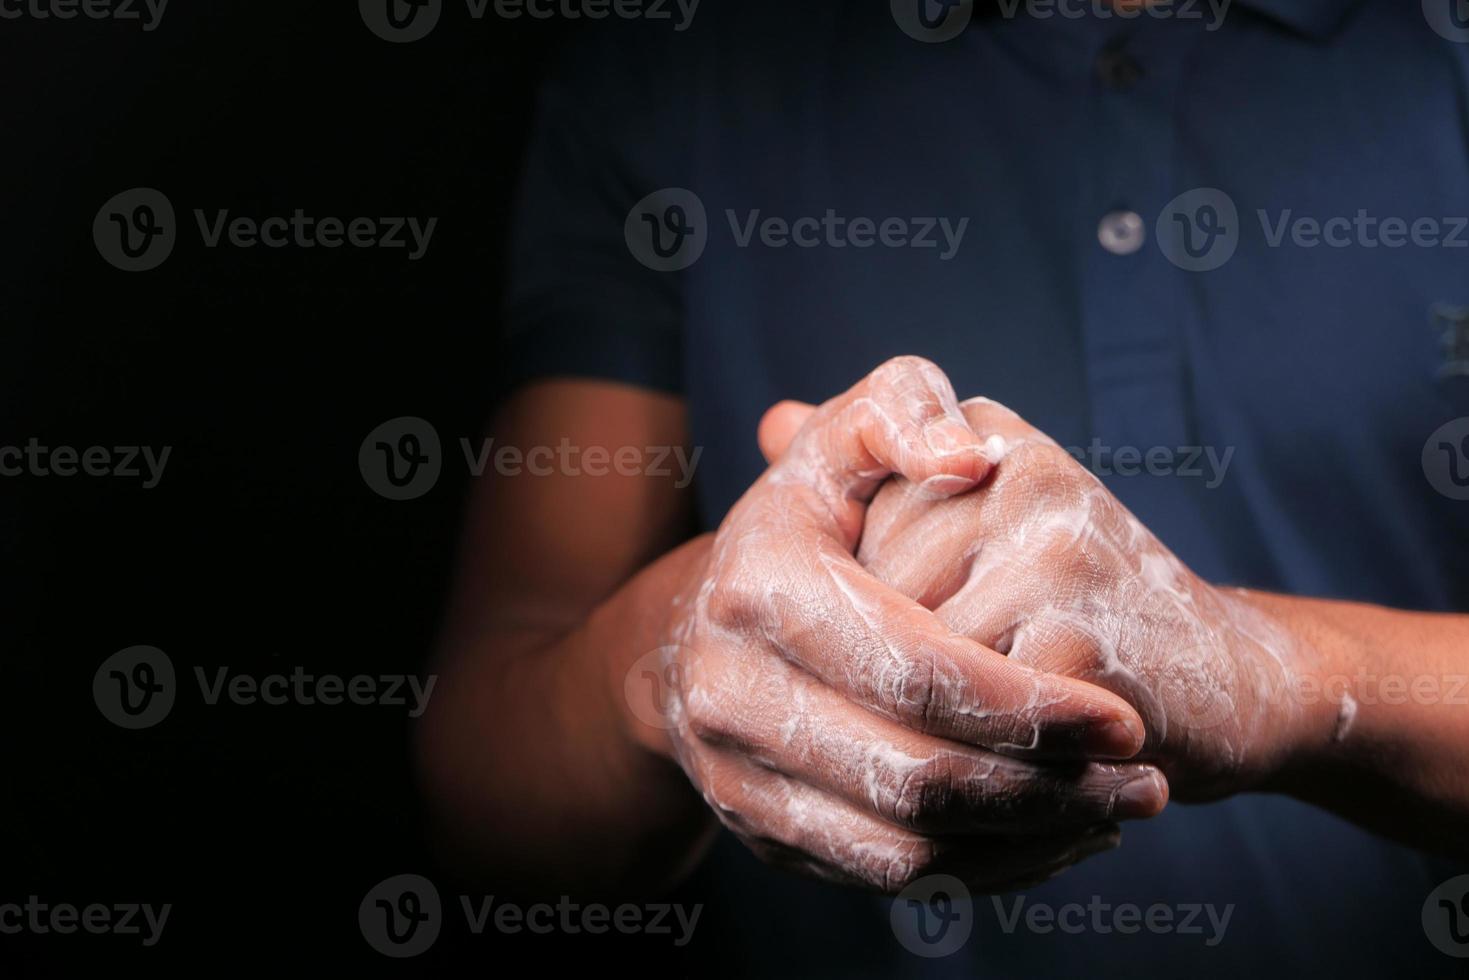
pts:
[839, 727]
[1042, 563]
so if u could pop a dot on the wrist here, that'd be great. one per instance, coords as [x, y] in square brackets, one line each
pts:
[1310, 703]
[641, 679]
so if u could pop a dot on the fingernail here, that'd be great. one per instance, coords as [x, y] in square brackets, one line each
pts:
[948, 436]
[945, 484]
[1142, 797]
[1113, 740]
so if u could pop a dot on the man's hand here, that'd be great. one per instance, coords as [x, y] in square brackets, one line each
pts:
[837, 726]
[1044, 564]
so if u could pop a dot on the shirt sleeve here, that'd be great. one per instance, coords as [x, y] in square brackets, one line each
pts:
[578, 303]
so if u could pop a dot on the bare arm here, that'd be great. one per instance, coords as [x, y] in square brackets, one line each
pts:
[524, 752]
[1392, 751]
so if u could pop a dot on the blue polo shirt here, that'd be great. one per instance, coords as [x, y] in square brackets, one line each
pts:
[1220, 252]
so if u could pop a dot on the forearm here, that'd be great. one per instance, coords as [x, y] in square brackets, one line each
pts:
[1387, 741]
[538, 771]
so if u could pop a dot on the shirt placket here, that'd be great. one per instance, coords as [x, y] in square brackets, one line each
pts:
[1136, 359]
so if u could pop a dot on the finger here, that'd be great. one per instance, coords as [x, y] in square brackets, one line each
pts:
[912, 781]
[804, 828]
[816, 607]
[779, 426]
[1000, 429]
[902, 419]
[923, 551]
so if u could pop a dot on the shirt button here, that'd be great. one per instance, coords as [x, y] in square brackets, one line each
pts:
[1116, 68]
[1121, 232]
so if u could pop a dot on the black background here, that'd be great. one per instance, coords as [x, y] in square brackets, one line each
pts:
[262, 548]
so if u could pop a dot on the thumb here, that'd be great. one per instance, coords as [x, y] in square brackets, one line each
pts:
[779, 426]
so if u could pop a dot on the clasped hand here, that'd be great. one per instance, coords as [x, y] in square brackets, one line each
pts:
[928, 640]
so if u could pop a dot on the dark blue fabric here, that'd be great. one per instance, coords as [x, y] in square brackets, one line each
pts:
[1319, 367]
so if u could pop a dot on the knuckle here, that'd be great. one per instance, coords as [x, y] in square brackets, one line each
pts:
[734, 601]
[703, 710]
[905, 366]
[704, 721]
[907, 863]
[909, 689]
[924, 793]
[1058, 460]
[1048, 468]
